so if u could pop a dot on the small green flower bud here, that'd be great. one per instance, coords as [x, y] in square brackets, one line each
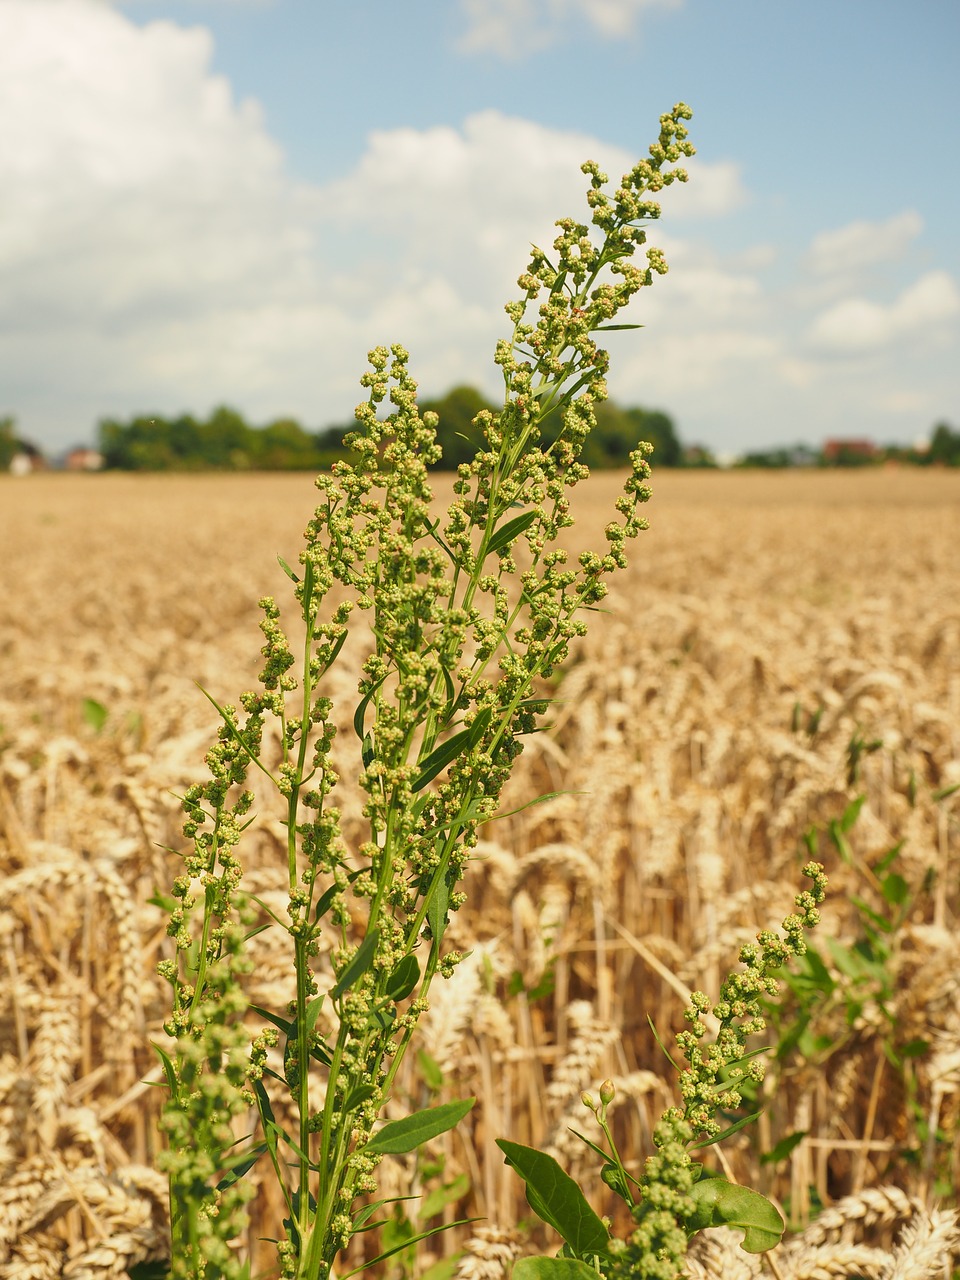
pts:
[607, 1092]
[588, 1102]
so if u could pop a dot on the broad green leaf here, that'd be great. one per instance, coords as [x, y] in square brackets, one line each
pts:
[784, 1147]
[433, 1077]
[914, 1048]
[723, 1204]
[895, 889]
[359, 965]
[163, 901]
[95, 714]
[556, 1198]
[851, 813]
[552, 1269]
[511, 530]
[404, 978]
[440, 1197]
[400, 1136]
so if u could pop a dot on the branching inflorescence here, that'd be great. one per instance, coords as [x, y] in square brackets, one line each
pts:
[460, 638]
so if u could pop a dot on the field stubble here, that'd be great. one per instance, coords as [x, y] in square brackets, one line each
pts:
[767, 625]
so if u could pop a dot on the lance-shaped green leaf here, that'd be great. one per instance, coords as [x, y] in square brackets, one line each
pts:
[400, 1136]
[506, 534]
[359, 965]
[720, 1203]
[554, 1196]
[449, 750]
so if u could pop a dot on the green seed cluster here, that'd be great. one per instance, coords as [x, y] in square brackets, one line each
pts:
[656, 1248]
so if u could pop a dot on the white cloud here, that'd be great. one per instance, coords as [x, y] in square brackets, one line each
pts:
[863, 244]
[155, 254]
[513, 29]
[858, 325]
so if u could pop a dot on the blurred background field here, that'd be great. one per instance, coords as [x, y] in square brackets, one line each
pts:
[782, 644]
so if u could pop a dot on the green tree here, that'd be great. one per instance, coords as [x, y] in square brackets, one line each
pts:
[457, 436]
[945, 445]
[284, 446]
[8, 442]
[225, 440]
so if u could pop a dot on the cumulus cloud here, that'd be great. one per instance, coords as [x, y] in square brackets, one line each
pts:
[146, 212]
[156, 254]
[863, 244]
[858, 325]
[513, 29]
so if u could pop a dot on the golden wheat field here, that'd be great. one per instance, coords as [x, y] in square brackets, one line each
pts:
[781, 644]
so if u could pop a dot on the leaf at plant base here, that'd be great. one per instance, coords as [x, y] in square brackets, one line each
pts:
[554, 1196]
[401, 1136]
[552, 1269]
[723, 1204]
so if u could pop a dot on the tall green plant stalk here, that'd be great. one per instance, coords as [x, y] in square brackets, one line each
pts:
[459, 640]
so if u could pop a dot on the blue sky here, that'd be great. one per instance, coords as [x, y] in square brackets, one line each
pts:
[214, 201]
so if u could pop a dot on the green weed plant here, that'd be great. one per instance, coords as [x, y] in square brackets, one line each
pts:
[460, 640]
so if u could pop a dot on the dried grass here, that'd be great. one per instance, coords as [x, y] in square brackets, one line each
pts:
[753, 600]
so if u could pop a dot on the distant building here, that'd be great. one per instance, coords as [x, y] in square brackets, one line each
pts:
[851, 450]
[83, 459]
[28, 458]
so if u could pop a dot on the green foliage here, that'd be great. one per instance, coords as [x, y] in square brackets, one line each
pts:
[458, 644]
[674, 1199]
[8, 442]
[617, 433]
[944, 446]
[225, 442]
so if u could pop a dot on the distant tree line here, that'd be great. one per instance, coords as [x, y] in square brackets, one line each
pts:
[8, 442]
[943, 451]
[225, 441]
